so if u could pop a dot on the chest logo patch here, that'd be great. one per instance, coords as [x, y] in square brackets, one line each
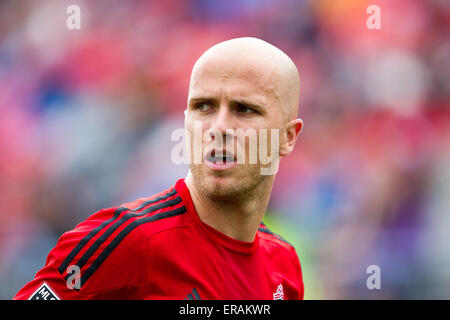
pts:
[279, 294]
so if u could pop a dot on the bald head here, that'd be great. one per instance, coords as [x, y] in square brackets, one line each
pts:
[257, 61]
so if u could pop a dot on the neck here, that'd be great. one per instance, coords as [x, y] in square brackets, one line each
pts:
[237, 219]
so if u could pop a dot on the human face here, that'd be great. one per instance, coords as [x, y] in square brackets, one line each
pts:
[230, 96]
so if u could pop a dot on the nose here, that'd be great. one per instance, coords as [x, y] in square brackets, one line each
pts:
[220, 123]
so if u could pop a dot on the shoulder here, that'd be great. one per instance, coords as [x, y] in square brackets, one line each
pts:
[284, 256]
[275, 239]
[99, 245]
[277, 247]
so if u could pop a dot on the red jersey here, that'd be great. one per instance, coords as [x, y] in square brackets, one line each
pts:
[158, 248]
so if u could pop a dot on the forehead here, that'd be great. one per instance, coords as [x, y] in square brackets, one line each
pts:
[237, 77]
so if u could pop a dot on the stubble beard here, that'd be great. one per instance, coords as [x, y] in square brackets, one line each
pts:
[240, 186]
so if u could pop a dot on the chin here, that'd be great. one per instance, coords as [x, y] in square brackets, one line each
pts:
[223, 186]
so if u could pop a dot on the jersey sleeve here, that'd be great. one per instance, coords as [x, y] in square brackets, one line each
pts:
[298, 267]
[82, 266]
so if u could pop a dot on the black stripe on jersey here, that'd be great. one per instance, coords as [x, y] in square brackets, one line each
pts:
[193, 295]
[196, 295]
[117, 224]
[93, 232]
[266, 230]
[122, 234]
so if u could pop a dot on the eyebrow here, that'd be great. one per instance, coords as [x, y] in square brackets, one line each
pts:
[238, 101]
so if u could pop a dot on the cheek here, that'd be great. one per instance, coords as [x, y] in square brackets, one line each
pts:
[197, 140]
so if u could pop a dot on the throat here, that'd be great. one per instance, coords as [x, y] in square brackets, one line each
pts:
[238, 218]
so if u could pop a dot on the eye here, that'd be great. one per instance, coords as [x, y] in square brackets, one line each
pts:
[242, 108]
[202, 106]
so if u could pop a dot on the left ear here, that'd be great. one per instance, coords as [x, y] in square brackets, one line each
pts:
[290, 134]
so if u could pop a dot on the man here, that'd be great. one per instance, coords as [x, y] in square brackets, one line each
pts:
[203, 238]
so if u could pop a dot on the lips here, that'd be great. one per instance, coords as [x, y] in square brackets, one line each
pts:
[220, 159]
[220, 156]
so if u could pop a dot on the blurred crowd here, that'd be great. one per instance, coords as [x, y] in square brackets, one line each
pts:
[86, 117]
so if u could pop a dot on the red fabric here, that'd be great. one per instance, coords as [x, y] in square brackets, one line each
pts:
[168, 258]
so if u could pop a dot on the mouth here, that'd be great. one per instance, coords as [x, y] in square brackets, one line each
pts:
[220, 160]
